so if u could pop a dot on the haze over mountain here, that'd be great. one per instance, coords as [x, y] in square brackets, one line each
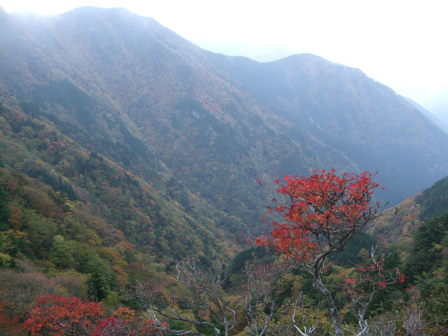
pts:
[124, 87]
[256, 51]
[434, 116]
[438, 105]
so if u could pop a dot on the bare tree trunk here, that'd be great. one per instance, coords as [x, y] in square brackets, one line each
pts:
[334, 314]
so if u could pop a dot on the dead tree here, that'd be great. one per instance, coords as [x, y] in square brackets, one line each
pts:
[308, 324]
[206, 306]
[383, 326]
[261, 302]
[413, 322]
[366, 281]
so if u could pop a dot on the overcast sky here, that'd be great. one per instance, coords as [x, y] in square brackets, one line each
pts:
[401, 43]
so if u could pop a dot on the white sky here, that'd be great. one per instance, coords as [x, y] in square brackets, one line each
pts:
[401, 43]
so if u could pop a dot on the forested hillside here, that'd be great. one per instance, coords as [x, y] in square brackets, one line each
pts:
[418, 229]
[58, 199]
[116, 81]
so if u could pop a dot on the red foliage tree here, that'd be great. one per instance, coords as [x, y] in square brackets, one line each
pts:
[323, 213]
[57, 315]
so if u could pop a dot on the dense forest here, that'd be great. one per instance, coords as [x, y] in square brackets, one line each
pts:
[55, 247]
[142, 190]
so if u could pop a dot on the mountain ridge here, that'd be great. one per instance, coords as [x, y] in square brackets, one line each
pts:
[130, 89]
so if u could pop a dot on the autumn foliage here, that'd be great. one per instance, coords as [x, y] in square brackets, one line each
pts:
[57, 315]
[322, 214]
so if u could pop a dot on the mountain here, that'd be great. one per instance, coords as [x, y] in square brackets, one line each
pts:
[353, 115]
[198, 128]
[62, 205]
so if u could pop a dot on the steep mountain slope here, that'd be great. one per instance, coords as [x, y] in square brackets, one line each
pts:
[374, 127]
[74, 222]
[399, 224]
[121, 206]
[124, 87]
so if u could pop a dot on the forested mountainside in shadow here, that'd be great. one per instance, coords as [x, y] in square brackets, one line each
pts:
[343, 108]
[113, 80]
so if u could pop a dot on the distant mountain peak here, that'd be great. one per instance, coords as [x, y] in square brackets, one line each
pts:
[305, 57]
[92, 12]
[94, 9]
[119, 16]
[316, 61]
